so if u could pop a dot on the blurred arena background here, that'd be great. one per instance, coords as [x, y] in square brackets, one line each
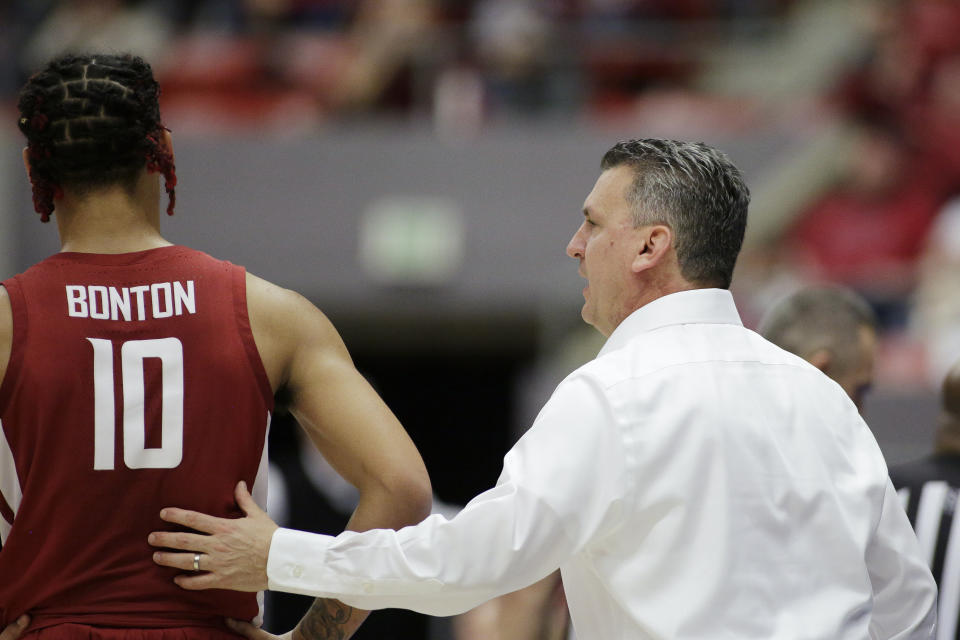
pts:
[416, 168]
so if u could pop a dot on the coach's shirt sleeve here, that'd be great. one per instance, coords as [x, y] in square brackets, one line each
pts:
[904, 592]
[561, 486]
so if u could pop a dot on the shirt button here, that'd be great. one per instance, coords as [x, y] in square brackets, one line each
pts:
[368, 587]
[297, 571]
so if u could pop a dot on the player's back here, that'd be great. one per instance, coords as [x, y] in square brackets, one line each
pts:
[133, 383]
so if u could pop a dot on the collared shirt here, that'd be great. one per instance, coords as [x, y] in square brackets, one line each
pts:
[693, 481]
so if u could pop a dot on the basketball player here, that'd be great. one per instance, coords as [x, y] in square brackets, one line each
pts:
[136, 374]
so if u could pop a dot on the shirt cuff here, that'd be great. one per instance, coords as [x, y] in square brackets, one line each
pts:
[295, 563]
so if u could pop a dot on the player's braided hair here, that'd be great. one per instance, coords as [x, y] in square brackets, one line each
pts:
[90, 121]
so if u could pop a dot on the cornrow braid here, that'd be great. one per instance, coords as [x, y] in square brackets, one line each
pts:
[91, 121]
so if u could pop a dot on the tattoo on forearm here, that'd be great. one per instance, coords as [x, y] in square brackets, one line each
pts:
[326, 620]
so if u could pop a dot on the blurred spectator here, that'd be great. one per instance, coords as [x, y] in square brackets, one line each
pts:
[868, 230]
[936, 320]
[885, 82]
[521, 62]
[104, 25]
[910, 78]
[186, 15]
[528, 56]
[857, 204]
[289, 64]
[933, 25]
[935, 122]
[384, 40]
[299, 14]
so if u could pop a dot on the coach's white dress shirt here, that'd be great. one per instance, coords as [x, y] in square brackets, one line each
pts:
[693, 481]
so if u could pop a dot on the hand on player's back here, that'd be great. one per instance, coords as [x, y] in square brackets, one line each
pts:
[15, 628]
[255, 633]
[233, 554]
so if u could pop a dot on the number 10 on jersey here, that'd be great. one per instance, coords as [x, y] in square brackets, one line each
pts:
[132, 354]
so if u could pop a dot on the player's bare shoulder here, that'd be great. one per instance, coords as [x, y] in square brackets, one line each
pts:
[284, 322]
[280, 308]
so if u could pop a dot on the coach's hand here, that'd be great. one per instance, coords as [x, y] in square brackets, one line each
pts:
[233, 554]
[255, 633]
[15, 628]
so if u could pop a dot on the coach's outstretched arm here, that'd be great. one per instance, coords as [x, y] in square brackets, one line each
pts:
[349, 424]
[538, 515]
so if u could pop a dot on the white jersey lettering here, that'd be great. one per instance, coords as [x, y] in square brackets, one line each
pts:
[119, 303]
[76, 301]
[161, 294]
[139, 291]
[184, 298]
[126, 304]
[99, 306]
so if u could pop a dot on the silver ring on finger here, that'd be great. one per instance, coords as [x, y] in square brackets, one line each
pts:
[196, 562]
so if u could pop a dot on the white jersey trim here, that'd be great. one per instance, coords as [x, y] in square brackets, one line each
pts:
[259, 493]
[9, 484]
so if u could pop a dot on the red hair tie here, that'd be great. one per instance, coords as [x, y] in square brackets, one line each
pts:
[39, 122]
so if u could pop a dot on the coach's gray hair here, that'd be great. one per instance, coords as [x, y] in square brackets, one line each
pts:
[696, 191]
[819, 318]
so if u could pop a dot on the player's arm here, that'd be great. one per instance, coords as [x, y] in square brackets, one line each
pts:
[345, 419]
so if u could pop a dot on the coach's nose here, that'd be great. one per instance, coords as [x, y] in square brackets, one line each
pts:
[578, 243]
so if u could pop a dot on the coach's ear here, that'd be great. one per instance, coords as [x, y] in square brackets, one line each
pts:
[821, 359]
[653, 245]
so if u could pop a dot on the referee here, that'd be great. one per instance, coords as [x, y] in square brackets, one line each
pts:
[929, 488]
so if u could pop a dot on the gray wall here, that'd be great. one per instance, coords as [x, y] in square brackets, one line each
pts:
[288, 209]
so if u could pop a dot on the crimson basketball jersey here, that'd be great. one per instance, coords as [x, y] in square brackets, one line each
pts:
[133, 384]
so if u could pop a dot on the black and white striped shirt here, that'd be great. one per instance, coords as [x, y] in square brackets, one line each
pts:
[929, 489]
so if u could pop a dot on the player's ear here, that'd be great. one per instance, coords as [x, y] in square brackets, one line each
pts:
[26, 160]
[168, 141]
